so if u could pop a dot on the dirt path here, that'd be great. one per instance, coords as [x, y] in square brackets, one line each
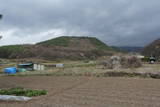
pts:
[87, 91]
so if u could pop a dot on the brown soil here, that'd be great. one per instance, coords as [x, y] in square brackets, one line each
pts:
[86, 91]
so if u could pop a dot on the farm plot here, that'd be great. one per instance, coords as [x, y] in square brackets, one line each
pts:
[66, 91]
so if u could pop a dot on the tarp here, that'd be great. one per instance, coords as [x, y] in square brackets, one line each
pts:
[14, 98]
[11, 70]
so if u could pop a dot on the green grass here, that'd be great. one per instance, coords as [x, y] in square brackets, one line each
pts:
[65, 40]
[22, 92]
[12, 48]
[60, 41]
[6, 51]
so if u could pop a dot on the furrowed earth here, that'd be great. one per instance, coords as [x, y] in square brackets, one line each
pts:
[81, 91]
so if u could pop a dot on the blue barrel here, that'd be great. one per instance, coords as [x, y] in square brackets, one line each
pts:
[11, 70]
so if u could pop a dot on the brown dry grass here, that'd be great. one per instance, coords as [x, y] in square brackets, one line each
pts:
[89, 68]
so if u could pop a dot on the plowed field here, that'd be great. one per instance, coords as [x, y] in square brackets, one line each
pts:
[66, 91]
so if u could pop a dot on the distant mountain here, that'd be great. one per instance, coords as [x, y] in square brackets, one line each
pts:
[60, 48]
[130, 49]
[152, 49]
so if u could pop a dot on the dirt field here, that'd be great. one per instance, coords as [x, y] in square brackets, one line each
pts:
[66, 91]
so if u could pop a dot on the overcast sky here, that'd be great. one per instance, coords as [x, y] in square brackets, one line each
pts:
[116, 22]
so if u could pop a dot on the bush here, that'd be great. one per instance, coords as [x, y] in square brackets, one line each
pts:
[22, 92]
[145, 59]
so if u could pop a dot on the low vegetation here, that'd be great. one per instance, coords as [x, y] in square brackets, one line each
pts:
[130, 68]
[72, 48]
[22, 92]
[11, 50]
[60, 41]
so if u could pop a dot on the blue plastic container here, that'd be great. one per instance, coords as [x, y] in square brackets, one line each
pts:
[11, 70]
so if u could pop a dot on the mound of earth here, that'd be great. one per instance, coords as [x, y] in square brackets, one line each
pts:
[62, 47]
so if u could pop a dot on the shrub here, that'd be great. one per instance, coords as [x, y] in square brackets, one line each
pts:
[145, 59]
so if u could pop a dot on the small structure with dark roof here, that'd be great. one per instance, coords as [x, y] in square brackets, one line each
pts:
[30, 67]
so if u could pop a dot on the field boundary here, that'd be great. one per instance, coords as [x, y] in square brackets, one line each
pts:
[91, 74]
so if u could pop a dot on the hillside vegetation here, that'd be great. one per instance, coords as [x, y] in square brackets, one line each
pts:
[11, 50]
[74, 48]
[60, 41]
[65, 41]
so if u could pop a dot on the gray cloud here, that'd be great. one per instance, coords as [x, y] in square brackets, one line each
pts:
[116, 22]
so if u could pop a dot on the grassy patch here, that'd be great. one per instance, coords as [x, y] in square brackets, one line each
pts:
[65, 41]
[12, 48]
[60, 41]
[22, 92]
